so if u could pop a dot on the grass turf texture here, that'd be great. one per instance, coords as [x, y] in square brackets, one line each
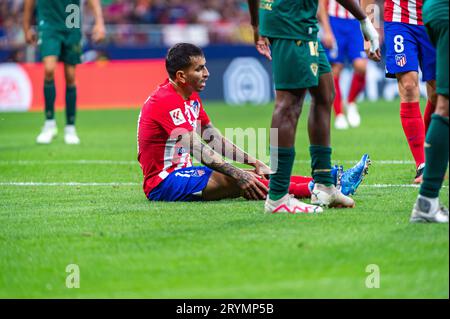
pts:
[127, 247]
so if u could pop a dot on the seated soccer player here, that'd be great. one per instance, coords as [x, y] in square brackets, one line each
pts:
[170, 128]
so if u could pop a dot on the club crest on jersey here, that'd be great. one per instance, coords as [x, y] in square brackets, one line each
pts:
[177, 116]
[192, 112]
[314, 68]
[400, 60]
[195, 106]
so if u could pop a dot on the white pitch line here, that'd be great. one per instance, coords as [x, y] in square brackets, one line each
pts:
[76, 162]
[139, 184]
[65, 184]
[111, 162]
[374, 162]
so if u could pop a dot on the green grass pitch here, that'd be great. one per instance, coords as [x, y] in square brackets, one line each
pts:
[127, 247]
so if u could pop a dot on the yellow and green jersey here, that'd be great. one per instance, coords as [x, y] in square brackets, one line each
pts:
[289, 19]
[54, 14]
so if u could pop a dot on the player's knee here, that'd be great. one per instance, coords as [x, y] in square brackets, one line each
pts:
[49, 74]
[70, 81]
[432, 96]
[286, 107]
[360, 66]
[331, 96]
[409, 90]
[442, 106]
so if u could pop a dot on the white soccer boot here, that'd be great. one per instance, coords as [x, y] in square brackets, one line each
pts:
[428, 210]
[49, 131]
[289, 204]
[353, 117]
[340, 122]
[70, 135]
[330, 196]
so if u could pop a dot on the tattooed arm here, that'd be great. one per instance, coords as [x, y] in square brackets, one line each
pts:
[251, 187]
[225, 147]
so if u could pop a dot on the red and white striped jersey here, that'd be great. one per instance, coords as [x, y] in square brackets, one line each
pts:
[405, 11]
[338, 11]
[164, 117]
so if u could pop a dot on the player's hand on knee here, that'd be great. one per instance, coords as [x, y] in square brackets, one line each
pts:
[251, 187]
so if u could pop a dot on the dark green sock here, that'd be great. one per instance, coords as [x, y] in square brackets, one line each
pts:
[50, 96]
[436, 154]
[71, 102]
[281, 162]
[321, 164]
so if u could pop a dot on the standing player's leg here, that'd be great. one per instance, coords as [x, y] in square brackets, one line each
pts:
[70, 135]
[288, 106]
[427, 207]
[402, 63]
[358, 58]
[427, 61]
[336, 56]
[411, 118]
[49, 130]
[357, 86]
[431, 103]
[71, 56]
[295, 68]
[324, 192]
[340, 121]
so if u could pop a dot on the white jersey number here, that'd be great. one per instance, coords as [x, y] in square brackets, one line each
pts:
[399, 47]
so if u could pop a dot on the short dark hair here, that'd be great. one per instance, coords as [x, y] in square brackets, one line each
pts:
[179, 57]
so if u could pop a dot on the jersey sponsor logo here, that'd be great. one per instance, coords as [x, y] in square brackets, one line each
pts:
[314, 68]
[400, 60]
[177, 117]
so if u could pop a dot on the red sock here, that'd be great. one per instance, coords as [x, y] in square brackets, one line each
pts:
[301, 179]
[300, 190]
[338, 98]
[358, 84]
[414, 129]
[429, 110]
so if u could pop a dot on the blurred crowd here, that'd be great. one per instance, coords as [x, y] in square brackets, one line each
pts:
[224, 19]
[148, 22]
[174, 11]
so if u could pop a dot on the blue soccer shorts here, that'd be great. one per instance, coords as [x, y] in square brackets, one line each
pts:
[182, 185]
[349, 41]
[408, 47]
